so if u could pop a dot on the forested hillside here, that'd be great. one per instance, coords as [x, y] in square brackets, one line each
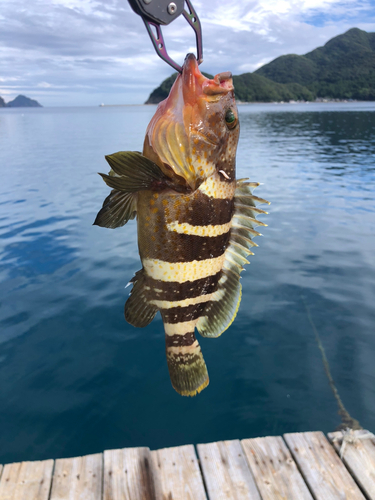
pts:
[344, 68]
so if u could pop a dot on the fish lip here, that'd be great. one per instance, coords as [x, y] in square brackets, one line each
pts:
[189, 56]
[222, 83]
[191, 66]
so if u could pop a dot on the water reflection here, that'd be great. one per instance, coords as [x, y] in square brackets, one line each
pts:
[76, 378]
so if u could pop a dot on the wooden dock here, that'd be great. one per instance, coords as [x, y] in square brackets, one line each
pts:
[299, 466]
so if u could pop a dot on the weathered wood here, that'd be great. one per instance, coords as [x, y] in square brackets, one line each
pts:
[129, 475]
[26, 481]
[274, 469]
[358, 456]
[226, 472]
[321, 467]
[179, 474]
[78, 478]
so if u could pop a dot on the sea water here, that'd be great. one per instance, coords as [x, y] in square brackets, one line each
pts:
[75, 378]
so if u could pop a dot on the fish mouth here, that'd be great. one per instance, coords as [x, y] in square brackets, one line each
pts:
[196, 84]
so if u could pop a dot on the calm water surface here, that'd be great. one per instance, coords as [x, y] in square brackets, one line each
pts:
[75, 378]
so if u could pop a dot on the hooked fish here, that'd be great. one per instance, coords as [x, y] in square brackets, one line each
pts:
[195, 220]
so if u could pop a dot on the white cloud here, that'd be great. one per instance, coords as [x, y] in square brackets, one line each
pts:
[79, 51]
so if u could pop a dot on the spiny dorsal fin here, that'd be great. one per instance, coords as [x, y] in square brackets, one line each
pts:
[138, 310]
[220, 312]
[117, 209]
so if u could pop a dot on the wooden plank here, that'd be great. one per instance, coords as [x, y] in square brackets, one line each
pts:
[274, 469]
[129, 475]
[359, 457]
[226, 472]
[26, 481]
[321, 467]
[179, 474]
[78, 478]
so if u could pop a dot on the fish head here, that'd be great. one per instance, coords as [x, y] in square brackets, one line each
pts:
[194, 132]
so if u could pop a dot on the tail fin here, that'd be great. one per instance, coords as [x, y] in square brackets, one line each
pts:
[187, 369]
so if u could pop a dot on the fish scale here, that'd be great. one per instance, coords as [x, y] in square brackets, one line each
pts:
[195, 221]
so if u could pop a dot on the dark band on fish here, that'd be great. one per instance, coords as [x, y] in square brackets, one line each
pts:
[181, 314]
[175, 247]
[172, 290]
[180, 340]
[204, 211]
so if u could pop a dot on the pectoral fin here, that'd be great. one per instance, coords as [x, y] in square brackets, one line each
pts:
[131, 172]
[117, 209]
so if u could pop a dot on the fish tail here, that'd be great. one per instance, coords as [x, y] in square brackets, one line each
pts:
[186, 365]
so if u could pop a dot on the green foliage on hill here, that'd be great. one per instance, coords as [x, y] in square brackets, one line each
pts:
[250, 87]
[343, 68]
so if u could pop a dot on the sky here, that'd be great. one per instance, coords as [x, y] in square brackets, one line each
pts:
[87, 52]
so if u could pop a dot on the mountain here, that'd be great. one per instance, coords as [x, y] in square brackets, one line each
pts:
[2, 103]
[343, 68]
[248, 87]
[23, 102]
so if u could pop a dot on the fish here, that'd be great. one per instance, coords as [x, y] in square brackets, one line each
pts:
[195, 221]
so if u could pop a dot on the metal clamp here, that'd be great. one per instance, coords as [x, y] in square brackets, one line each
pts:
[162, 12]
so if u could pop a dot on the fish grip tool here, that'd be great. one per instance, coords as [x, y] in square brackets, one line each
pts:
[156, 13]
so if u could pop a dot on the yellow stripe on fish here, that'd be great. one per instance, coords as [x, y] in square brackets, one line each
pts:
[184, 349]
[214, 187]
[209, 230]
[179, 328]
[182, 271]
[168, 304]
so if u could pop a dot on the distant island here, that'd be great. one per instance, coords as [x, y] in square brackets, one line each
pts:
[344, 68]
[20, 101]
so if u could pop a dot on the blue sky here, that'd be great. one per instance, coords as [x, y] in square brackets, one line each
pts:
[85, 52]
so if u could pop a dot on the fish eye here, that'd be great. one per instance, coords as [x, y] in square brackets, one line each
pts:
[230, 119]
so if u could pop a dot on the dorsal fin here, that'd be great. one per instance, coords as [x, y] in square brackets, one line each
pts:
[220, 312]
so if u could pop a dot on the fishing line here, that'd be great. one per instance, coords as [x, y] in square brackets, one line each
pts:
[347, 421]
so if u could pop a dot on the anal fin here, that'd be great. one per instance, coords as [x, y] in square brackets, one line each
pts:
[220, 312]
[138, 310]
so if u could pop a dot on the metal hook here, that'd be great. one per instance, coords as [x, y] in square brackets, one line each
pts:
[154, 14]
